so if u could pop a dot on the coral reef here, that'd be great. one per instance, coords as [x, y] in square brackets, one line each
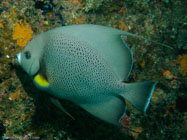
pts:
[1, 25]
[183, 64]
[27, 113]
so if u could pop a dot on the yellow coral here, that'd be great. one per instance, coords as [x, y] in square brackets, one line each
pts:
[183, 62]
[137, 129]
[123, 26]
[80, 20]
[15, 95]
[77, 3]
[1, 25]
[22, 33]
[167, 74]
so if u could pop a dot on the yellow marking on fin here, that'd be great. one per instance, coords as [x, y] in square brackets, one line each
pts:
[41, 81]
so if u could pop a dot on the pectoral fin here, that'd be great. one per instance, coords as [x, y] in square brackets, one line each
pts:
[40, 81]
[59, 105]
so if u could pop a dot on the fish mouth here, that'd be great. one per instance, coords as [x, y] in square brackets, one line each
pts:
[18, 58]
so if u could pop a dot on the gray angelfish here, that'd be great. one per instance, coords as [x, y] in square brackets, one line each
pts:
[86, 64]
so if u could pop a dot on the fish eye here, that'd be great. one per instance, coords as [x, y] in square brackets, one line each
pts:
[27, 55]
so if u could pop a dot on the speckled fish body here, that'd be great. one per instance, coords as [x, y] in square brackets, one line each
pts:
[87, 65]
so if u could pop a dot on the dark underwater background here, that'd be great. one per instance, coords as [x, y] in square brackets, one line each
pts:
[27, 113]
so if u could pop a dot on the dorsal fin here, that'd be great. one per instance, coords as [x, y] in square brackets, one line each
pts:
[107, 41]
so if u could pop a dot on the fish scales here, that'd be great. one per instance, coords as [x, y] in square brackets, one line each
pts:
[78, 71]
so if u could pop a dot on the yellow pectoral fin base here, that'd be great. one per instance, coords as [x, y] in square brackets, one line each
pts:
[40, 81]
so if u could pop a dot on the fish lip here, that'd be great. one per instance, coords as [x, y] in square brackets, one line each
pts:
[18, 58]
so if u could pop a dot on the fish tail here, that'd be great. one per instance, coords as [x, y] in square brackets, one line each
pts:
[139, 94]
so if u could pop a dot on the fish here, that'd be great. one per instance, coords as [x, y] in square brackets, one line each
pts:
[88, 65]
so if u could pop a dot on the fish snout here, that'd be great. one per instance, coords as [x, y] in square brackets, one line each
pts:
[18, 58]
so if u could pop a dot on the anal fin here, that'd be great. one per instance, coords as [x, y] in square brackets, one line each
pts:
[111, 111]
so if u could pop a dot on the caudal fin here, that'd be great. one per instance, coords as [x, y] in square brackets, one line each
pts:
[139, 94]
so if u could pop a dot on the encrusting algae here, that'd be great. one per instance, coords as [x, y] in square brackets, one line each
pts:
[1, 25]
[137, 129]
[22, 33]
[167, 74]
[183, 64]
[15, 95]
